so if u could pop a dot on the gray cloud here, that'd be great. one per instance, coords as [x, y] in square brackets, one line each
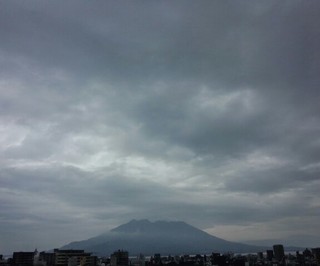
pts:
[206, 113]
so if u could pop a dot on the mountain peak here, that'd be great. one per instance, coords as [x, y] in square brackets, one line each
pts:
[133, 226]
[144, 226]
[139, 221]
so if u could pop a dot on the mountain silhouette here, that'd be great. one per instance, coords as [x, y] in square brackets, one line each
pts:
[148, 238]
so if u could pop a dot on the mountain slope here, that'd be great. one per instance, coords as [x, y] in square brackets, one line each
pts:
[159, 237]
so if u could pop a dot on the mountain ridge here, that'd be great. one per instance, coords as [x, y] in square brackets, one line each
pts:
[164, 237]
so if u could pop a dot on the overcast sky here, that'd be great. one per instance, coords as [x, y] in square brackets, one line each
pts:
[202, 111]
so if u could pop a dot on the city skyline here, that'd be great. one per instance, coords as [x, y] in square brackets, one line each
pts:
[205, 112]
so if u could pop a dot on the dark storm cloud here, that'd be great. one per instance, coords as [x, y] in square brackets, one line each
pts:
[220, 42]
[118, 110]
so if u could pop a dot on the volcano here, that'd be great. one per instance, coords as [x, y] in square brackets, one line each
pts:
[148, 238]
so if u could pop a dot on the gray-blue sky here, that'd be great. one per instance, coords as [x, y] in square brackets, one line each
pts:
[206, 112]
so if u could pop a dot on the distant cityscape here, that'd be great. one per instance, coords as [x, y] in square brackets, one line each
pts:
[78, 257]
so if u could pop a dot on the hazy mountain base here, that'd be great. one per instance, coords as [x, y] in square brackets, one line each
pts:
[159, 237]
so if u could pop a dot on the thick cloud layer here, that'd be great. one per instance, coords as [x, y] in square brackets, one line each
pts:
[206, 112]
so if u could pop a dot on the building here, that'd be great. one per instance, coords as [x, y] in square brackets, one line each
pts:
[278, 251]
[119, 258]
[260, 255]
[269, 254]
[3, 262]
[71, 257]
[47, 258]
[138, 261]
[316, 254]
[157, 258]
[23, 258]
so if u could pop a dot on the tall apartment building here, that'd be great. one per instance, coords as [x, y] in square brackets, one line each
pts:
[119, 258]
[47, 258]
[278, 251]
[23, 258]
[71, 257]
